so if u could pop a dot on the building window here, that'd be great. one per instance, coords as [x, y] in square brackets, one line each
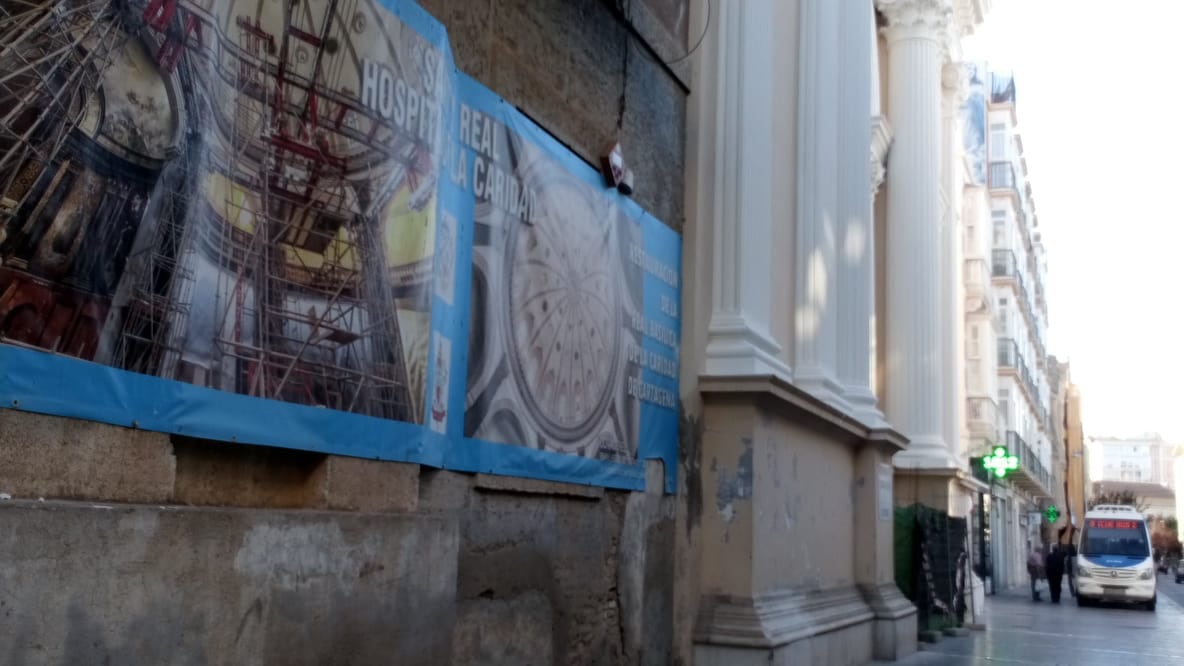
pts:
[998, 142]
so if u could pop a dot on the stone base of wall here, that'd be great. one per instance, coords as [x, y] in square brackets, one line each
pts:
[95, 584]
[836, 626]
[148, 545]
[894, 632]
[848, 645]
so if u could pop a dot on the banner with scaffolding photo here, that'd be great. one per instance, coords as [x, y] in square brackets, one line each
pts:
[248, 221]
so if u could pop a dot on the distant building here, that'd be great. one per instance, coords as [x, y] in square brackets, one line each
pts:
[1143, 459]
[1153, 498]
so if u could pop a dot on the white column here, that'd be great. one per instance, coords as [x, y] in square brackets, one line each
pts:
[914, 382]
[856, 256]
[953, 96]
[735, 183]
[817, 294]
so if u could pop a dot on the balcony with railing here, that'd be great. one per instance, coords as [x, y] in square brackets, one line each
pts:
[1010, 360]
[1032, 475]
[982, 422]
[1005, 267]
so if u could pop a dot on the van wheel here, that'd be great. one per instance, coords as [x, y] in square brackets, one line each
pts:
[1150, 605]
[1082, 602]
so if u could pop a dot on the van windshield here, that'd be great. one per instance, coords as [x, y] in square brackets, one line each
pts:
[1115, 537]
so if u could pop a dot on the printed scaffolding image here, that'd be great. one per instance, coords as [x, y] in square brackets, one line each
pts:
[195, 190]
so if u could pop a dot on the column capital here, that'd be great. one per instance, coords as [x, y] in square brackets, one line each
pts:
[954, 85]
[917, 19]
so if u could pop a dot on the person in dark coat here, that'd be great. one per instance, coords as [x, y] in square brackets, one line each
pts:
[1054, 570]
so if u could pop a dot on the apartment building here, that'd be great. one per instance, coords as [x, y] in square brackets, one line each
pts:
[1007, 384]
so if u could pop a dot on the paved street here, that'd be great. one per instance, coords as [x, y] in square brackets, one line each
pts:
[1022, 632]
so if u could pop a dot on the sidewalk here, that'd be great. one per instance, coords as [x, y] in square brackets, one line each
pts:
[1020, 631]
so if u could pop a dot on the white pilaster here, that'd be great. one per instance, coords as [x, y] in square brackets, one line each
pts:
[954, 90]
[817, 297]
[733, 176]
[915, 382]
[856, 255]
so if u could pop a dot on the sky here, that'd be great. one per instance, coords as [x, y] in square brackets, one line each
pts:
[1101, 110]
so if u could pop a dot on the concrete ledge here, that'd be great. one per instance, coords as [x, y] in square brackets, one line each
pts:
[802, 407]
[83, 584]
[56, 457]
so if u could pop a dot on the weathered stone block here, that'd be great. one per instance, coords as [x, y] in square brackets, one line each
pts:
[218, 474]
[56, 457]
[354, 484]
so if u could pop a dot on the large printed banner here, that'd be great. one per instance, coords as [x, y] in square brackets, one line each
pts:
[296, 224]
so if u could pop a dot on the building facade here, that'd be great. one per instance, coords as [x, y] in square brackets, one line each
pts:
[1077, 459]
[282, 553]
[809, 153]
[920, 322]
[1009, 396]
[1058, 383]
[1147, 458]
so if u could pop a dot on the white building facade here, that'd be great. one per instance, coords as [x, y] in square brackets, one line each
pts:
[1147, 458]
[822, 318]
[1008, 394]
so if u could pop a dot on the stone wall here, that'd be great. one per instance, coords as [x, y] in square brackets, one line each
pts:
[240, 554]
[576, 69]
[125, 584]
[148, 546]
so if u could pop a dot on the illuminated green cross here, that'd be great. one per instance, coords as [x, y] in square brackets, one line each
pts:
[1052, 513]
[1000, 463]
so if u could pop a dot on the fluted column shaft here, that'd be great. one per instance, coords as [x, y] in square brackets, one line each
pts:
[953, 95]
[817, 293]
[856, 254]
[915, 380]
[737, 175]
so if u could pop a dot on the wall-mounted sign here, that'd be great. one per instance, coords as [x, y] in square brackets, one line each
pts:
[1000, 463]
[307, 229]
[1052, 513]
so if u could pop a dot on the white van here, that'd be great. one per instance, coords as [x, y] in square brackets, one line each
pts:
[1114, 558]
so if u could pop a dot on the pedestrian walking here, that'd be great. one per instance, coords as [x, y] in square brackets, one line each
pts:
[1054, 570]
[1035, 564]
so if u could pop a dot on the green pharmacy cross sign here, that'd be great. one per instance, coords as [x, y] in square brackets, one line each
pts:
[1052, 513]
[1000, 462]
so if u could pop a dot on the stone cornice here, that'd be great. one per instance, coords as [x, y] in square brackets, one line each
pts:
[802, 407]
[970, 14]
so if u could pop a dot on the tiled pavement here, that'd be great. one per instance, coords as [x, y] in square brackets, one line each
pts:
[1020, 631]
